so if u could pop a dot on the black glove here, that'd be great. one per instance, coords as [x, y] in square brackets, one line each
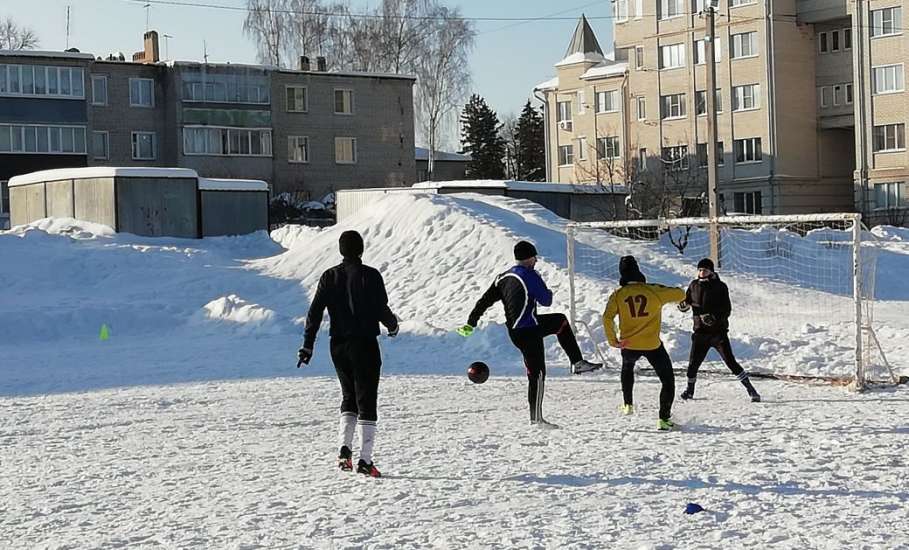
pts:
[708, 319]
[684, 306]
[303, 356]
[392, 332]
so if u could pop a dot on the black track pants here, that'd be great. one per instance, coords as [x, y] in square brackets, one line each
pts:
[358, 362]
[662, 364]
[702, 343]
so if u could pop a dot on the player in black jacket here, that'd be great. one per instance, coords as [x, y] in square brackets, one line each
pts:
[355, 297]
[708, 297]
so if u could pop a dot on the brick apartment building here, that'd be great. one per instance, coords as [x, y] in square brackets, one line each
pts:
[795, 79]
[303, 130]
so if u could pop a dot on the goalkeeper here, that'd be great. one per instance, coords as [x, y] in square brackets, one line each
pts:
[708, 297]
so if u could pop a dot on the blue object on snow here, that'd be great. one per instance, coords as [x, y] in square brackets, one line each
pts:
[693, 508]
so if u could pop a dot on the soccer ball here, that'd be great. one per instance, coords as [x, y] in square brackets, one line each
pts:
[478, 372]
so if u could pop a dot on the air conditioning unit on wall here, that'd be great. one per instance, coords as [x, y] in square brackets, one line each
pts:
[565, 125]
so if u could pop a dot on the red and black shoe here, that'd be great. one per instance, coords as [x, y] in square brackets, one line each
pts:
[345, 462]
[368, 469]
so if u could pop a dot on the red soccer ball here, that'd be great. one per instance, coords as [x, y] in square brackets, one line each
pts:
[478, 372]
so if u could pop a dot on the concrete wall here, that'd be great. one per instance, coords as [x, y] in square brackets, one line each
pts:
[60, 202]
[233, 212]
[156, 207]
[443, 170]
[26, 203]
[95, 201]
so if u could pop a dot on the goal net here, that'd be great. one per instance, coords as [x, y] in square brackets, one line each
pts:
[802, 288]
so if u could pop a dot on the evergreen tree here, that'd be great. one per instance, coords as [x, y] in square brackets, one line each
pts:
[531, 146]
[481, 140]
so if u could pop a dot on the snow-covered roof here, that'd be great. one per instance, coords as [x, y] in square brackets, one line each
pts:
[46, 53]
[551, 84]
[605, 70]
[219, 184]
[422, 153]
[100, 172]
[581, 57]
[545, 187]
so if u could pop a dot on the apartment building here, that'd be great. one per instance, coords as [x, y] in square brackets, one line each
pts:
[788, 103]
[300, 130]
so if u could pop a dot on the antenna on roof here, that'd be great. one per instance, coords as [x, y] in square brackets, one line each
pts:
[167, 38]
[67, 27]
[205, 52]
[147, 7]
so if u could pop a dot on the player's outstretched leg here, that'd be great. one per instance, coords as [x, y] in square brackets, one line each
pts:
[700, 345]
[629, 358]
[724, 347]
[662, 364]
[557, 323]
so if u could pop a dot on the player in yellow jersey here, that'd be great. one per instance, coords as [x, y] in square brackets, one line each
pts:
[639, 306]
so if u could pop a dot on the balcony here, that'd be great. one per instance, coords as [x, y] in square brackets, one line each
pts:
[818, 11]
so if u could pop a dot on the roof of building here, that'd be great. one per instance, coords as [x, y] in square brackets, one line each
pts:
[422, 153]
[583, 46]
[545, 187]
[100, 172]
[221, 184]
[551, 84]
[46, 53]
[605, 69]
[353, 74]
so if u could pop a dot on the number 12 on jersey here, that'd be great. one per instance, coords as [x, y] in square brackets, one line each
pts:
[637, 305]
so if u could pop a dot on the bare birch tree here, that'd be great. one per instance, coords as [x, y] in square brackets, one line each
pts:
[15, 37]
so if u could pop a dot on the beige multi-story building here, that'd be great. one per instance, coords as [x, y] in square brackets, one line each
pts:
[795, 78]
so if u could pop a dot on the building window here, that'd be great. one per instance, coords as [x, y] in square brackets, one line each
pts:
[642, 159]
[886, 22]
[834, 41]
[822, 46]
[100, 145]
[748, 203]
[847, 39]
[887, 79]
[566, 155]
[250, 86]
[848, 94]
[607, 102]
[40, 80]
[747, 150]
[639, 58]
[608, 148]
[700, 52]
[890, 195]
[702, 154]
[621, 11]
[582, 148]
[99, 90]
[743, 45]
[889, 137]
[344, 102]
[675, 159]
[141, 92]
[65, 140]
[345, 150]
[826, 95]
[671, 8]
[734, 3]
[672, 106]
[700, 102]
[296, 99]
[4, 198]
[747, 97]
[672, 57]
[838, 95]
[564, 111]
[226, 141]
[642, 108]
[144, 146]
[638, 9]
[298, 149]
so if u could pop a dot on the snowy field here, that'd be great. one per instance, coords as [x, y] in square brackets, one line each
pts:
[191, 427]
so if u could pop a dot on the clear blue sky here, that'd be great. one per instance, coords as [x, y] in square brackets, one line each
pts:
[509, 59]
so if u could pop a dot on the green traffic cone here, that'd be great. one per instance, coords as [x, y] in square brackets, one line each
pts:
[105, 333]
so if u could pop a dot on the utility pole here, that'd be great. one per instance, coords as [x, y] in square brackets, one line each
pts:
[710, 53]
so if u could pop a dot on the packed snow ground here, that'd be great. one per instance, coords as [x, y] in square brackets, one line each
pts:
[191, 427]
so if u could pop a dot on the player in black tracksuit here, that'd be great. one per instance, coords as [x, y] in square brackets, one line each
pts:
[355, 297]
[708, 298]
[520, 289]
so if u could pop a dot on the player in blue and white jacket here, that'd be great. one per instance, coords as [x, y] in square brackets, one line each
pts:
[520, 289]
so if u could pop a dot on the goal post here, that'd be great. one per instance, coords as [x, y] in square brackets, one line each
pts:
[802, 286]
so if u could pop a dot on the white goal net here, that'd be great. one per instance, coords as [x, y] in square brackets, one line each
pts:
[802, 288]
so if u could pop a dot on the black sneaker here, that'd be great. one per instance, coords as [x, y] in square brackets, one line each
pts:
[368, 469]
[344, 459]
[687, 394]
[755, 396]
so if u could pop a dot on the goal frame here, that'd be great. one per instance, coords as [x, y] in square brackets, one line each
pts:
[862, 325]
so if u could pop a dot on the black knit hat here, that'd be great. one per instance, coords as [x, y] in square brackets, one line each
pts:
[629, 271]
[524, 250]
[706, 263]
[351, 244]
